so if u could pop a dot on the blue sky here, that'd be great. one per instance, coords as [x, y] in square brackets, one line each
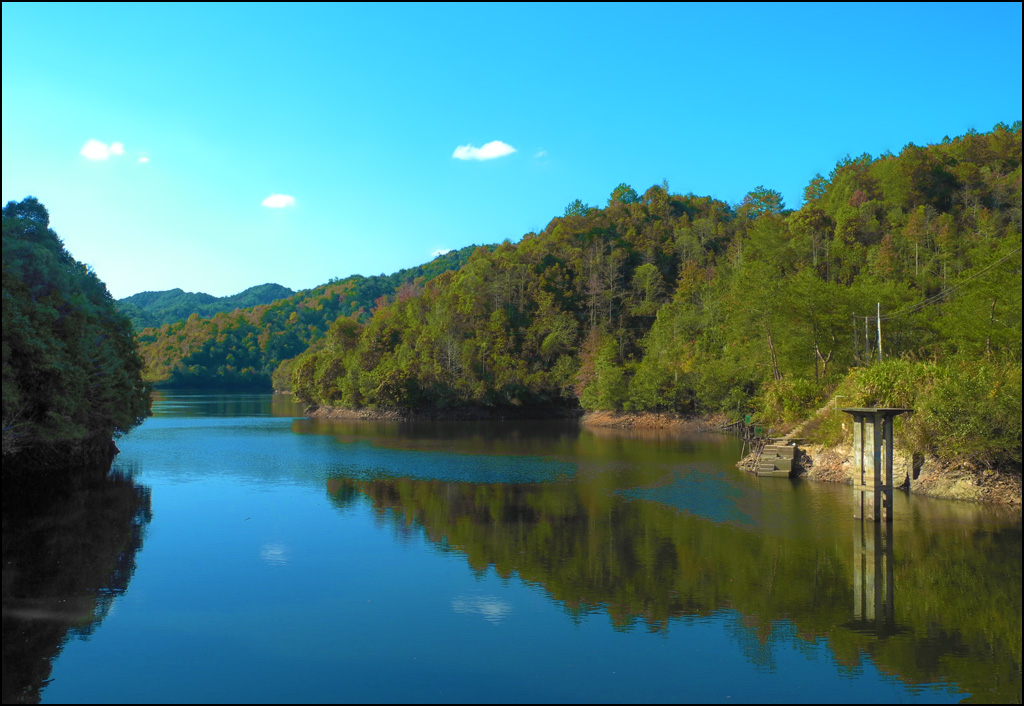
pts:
[154, 134]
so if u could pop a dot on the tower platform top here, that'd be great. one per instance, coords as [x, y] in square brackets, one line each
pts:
[893, 411]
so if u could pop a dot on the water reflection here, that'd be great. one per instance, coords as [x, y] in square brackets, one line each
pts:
[181, 403]
[68, 553]
[602, 565]
[705, 494]
[874, 582]
[647, 565]
[274, 554]
[490, 608]
[561, 439]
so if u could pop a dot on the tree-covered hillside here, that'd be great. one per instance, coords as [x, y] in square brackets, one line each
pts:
[242, 348]
[71, 374]
[154, 309]
[685, 303]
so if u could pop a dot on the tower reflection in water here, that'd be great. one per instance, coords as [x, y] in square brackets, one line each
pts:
[873, 584]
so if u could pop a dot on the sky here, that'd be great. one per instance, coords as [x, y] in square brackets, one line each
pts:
[217, 147]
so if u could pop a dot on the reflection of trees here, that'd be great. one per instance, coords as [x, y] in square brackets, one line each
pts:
[186, 403]
[639, 561]
[68, 553]
[645, 563]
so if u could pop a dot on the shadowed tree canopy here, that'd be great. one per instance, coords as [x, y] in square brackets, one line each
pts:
[71, 373]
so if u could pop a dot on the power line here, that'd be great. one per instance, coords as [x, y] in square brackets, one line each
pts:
[913, 308]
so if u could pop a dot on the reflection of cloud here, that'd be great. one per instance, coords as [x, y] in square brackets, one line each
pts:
[279, 201]
[274, 554]
[491, 150]
[492, 608]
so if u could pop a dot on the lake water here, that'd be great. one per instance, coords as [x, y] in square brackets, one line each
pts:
[244, 553]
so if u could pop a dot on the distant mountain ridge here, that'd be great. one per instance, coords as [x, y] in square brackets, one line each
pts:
[240, 348]
[154, 309]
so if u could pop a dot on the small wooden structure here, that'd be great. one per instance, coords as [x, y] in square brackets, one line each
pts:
[745, 428]
[872, 460]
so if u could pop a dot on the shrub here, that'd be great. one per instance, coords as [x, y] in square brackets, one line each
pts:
[965, 409]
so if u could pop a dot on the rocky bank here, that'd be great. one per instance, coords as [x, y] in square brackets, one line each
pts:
[925, 476]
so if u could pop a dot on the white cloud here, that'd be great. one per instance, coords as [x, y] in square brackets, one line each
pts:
[279, 201]
[440, 251]
[143, 159]
[541, 154]
[492, 150]
[96, 150]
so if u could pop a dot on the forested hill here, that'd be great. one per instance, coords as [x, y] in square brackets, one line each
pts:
[242, 348]
[685, 303]
[154, 309]
[71, 374]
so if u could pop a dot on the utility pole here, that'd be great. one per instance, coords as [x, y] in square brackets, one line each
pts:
[856, 353]
[867, 346]
[878, 319]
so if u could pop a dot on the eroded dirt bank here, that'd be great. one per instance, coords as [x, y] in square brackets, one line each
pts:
[649, 420]
[926, 476]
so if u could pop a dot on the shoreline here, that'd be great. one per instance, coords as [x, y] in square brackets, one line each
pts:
[456, 414]
[930, 477]
[628, 420]
[656, 420]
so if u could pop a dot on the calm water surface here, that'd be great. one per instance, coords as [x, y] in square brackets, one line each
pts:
[263, 557]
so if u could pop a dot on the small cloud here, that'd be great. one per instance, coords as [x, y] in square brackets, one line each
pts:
[541, 154]
[492, 150]
[96, 150]
[279, 201]
[440, 251]
[143, 159]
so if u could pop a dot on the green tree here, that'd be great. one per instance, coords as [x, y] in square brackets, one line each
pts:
[71, 374]
[577, 208]
[623, 194]
[762, 201]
